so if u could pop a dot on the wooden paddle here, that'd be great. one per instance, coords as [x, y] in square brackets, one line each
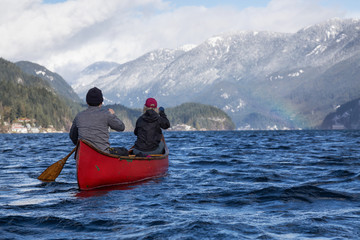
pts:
[53, 171]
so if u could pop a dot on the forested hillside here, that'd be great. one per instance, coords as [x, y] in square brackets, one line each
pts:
[25, 96]
[55, 81]
[200, 117]
[346, 116]
[61, 87]
[187, 116]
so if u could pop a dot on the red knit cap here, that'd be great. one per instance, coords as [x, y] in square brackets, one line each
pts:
[151, 103]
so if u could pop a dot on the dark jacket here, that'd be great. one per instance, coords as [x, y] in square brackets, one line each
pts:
[148, 130]
[93, 125]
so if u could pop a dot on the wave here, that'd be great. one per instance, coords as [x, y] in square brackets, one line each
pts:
[305, 193]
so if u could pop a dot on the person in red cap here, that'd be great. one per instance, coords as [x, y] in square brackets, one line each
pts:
[148, 129]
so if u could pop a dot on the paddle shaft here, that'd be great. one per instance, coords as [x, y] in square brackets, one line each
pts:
[53, 171]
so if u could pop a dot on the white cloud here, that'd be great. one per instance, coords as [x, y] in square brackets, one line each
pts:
[67, 37]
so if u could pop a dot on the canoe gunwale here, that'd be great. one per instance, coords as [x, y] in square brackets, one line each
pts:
[130, 157]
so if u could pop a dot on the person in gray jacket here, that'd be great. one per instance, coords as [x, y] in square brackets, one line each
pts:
[93, 123]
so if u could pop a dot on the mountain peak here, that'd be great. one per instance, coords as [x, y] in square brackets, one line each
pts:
[331, 29]
[187, 47]
[99, 66]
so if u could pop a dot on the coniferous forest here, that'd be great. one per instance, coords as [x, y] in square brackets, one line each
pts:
[25, 96]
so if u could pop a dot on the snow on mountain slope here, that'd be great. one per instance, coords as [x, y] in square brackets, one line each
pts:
[119, 83]
[244, 73]
[90, 74]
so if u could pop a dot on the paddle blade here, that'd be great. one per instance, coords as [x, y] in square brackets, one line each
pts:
[53, 171]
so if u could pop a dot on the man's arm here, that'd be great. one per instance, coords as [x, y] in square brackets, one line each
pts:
[115, 123]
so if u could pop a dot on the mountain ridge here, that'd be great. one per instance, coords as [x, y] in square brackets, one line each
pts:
[346, 116]
[57, 83]
[245, 73]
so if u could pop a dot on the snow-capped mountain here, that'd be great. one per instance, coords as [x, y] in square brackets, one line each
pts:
[277, 80]
[127, 80]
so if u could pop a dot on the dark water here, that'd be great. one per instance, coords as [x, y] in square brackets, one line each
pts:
[220, 185]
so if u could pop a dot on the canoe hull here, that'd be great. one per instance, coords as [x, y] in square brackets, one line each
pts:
[96, 169]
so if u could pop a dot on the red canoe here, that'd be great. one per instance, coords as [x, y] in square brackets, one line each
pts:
[98, 169]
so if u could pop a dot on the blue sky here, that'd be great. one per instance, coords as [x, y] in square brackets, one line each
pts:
[346, 4]
[67, 36]
[349, 5]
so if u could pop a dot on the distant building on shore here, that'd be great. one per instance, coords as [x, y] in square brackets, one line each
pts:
[18, 128]
[26, 125]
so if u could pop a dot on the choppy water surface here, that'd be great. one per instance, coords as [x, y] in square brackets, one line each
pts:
[220, 185]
